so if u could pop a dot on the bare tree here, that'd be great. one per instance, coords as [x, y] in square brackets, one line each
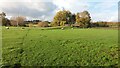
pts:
[18, 21]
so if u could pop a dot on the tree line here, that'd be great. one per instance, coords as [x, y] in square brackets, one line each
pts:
[62, 18]
[65, 17]
[14, 21]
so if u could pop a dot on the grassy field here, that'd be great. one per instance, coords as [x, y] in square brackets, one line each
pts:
[56, 47]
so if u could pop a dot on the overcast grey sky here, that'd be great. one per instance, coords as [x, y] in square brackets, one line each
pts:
[103, 10]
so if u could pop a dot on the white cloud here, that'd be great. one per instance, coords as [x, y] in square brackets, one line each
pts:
[111, 16]
[113, 19]
[72, 5]
[106, 5]
[29, 9]
[39, 9]
[25, 0]
[106, 11]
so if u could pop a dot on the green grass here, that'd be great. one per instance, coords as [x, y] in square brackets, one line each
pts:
[56, 47]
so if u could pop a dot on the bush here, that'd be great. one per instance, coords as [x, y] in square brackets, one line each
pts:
[99, 24]
[102, 24]
[43, 24]
[30, 25]
[113, 24]
[55, 23]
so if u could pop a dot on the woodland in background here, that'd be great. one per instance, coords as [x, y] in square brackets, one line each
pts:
[62, 18]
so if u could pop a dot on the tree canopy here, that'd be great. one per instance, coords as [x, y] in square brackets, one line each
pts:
[66, 17]
[4, 21]
[62, 17]
[19, 20]
[83, 19]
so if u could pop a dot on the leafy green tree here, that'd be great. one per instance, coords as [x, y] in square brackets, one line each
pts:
[83, 19]
[62, 23]
[73, 19]
[4, 21]
[2, 18]
[61, 18]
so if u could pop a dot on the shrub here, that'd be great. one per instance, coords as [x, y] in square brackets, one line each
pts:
[43, 24]
[102, 24]
[99, 24]
[55, 23]
[30, 25]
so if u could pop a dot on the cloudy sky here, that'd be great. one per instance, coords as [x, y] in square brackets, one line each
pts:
[103, 10]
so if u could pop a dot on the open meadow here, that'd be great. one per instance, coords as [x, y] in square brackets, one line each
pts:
[57, 47]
